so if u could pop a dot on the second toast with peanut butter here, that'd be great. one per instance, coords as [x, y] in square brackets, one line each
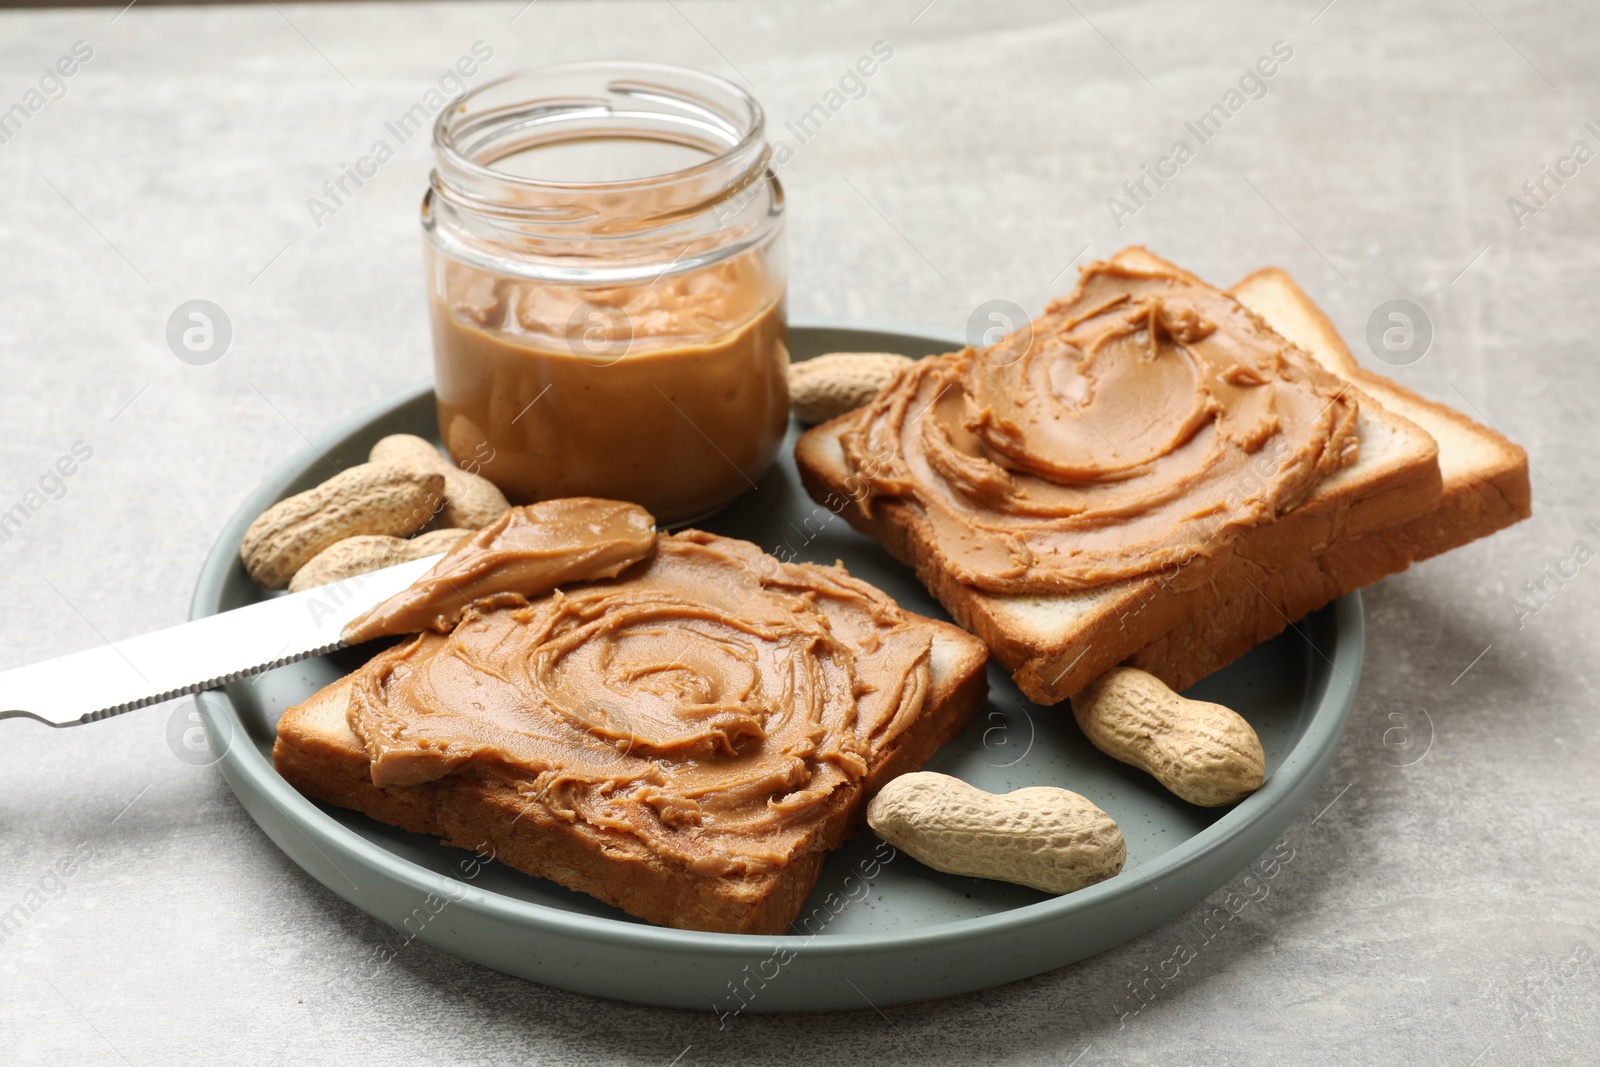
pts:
[1122, 584]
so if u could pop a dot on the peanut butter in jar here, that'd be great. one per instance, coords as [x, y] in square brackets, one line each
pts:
[624, 337]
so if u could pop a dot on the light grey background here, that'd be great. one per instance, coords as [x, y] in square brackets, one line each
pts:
[1442, 896]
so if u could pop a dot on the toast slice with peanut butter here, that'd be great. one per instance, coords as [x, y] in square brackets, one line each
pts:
[1356, 523]
[686, 740]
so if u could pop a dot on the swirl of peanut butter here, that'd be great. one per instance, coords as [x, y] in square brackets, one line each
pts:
[1149, 418]
[708, 701]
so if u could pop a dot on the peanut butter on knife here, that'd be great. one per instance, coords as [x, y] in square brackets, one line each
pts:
[524, 554]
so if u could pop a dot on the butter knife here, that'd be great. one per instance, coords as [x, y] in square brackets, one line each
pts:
[206, 653]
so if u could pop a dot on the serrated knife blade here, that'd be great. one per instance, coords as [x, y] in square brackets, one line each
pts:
[201, 654]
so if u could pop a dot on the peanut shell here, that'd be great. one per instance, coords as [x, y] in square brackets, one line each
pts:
[371, 498]
[348, 558]
[1050, 839]
[1204, 753]
[826, 387]
[471, 501]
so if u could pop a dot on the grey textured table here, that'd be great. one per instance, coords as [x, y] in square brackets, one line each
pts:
[1441, 901]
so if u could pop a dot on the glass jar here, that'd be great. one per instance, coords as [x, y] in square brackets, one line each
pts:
[606, 279]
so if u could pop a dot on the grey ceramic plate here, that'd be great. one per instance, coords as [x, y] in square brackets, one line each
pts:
[884, 931]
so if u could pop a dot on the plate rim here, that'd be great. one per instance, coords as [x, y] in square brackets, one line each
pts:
[1319, 742]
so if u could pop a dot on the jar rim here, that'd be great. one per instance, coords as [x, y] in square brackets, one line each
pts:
[658, 82]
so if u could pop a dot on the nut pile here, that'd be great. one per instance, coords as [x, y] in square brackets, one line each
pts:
[366, 517]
